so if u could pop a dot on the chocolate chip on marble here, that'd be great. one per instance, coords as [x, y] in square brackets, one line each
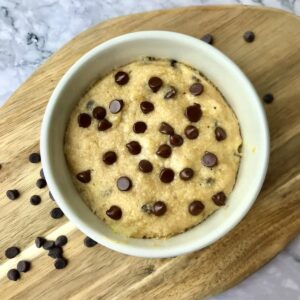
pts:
[146, 107]
[23, 266]
[145, 166]
[155, 83]
[134, 147]
[171, 93]
[196, 207]
[114, 212]
[61, 241]
[186, 174]
[164, 151]
[104, 125]
[41, 183]
[56, 213]
[12, 252]
[209, 160]
[176, 140]
[89, 243]
[268, 98]
[60, 263]
[220, 134]
[139, 127]
[109, 157]
[208, 38]
[34, 158]
[99, 112]
[121, 78]
[84, 177]
[166, 128]
[166, 175]
[13, 274]
[159, 208]
[35, 199]
[84, 120]
[191, 132]
[39, 241]
[219, 198]
[124, 183]
[193, 112]
[196, 89]
[116, 106]
[249, 36]
[12, 194]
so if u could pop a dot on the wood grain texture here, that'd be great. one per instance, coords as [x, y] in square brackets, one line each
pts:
[272, 62]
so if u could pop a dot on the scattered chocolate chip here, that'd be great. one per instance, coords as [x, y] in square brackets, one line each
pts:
[186, 174]
[191, 132]
[114, 212]
[171, 93]
[249, 36]
[61, 241]
[219, 199]
[124, 183]
[166, 128]
[48, 245]
[39, 241]
[147, 208]
[84, 120]
[99, 112]
[12, 194]
[173, 63]
[23, 266]
[41, 183]
[145, 166]
[12, 252]
[42, 174]
[51, 196]
[35, 200]
[121, 78]
[109, 157]
[193, 112]
[56, 213]
[196, 207]
[134, 147]
[55, 252]
[176, 140]
[155, 84]
[89, 243]
[116, 106]
[196, 89]
[220, 134]
[34, 158]
[268, 98]
[146, 107]
[159, 208]
[60, 263]
[166, 175]
[104, 125]
[164, 151]
[139, 127]
[13, 274]
[84, 177]
[208, 38]
[209, 160]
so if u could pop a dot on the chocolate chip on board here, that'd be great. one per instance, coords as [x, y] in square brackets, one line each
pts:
[55, 252]
[60, 263]
[12, 194]
[34, 158]
[39, 241]
[13, 274]
[41, 183]
[48, 245]
[12, 252]
[88, 242]
[61, 241]
[268, 98]
[35, 199]
[23, 266]
[249, 36]
[56, 213]
[208, 38]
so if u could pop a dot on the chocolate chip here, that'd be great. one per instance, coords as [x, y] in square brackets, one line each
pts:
[23, 266]
[34, 158]
[124, 183]
[48, 245]
[12, 252]
[268, 98]
[166, 175]
[134, 147]
[220, 134]
[84, 120]
[176, 140]
[51, 196]
[159, 208]
[196, 89]
[90, 104]
[121, 78]
[55, 252]
[171, 93]
[60, 263]
[41, 183]
[147, 208]
[13, 274]
[209, 160]
[155, 84]
[99, 113]
[139, 127]
[164, 151]
[166, 128]
[186, 174]
[56, 213]
[249, 36]
[35, 200]
[146, 107]
[109, 157]
[114, 212]
[12, 194]
[104, 125]
[39, 241]
[219, 198]
[208, 38]
[193, 112]
[196, 207]
[61, 241]
[42, 174]
[145, 166]
[89, 243]
[84, 177]
[191, 132]
[173, 63]
[116, 106]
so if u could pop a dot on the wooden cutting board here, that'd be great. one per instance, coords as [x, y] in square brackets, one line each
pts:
[272, 62]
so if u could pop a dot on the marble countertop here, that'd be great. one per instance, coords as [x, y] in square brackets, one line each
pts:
[30, 31]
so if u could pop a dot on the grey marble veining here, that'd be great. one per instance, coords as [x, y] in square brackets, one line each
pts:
[31, 30]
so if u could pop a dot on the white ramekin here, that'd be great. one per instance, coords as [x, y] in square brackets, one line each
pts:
[231, 81]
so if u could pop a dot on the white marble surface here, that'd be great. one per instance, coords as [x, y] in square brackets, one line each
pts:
[31, 30]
